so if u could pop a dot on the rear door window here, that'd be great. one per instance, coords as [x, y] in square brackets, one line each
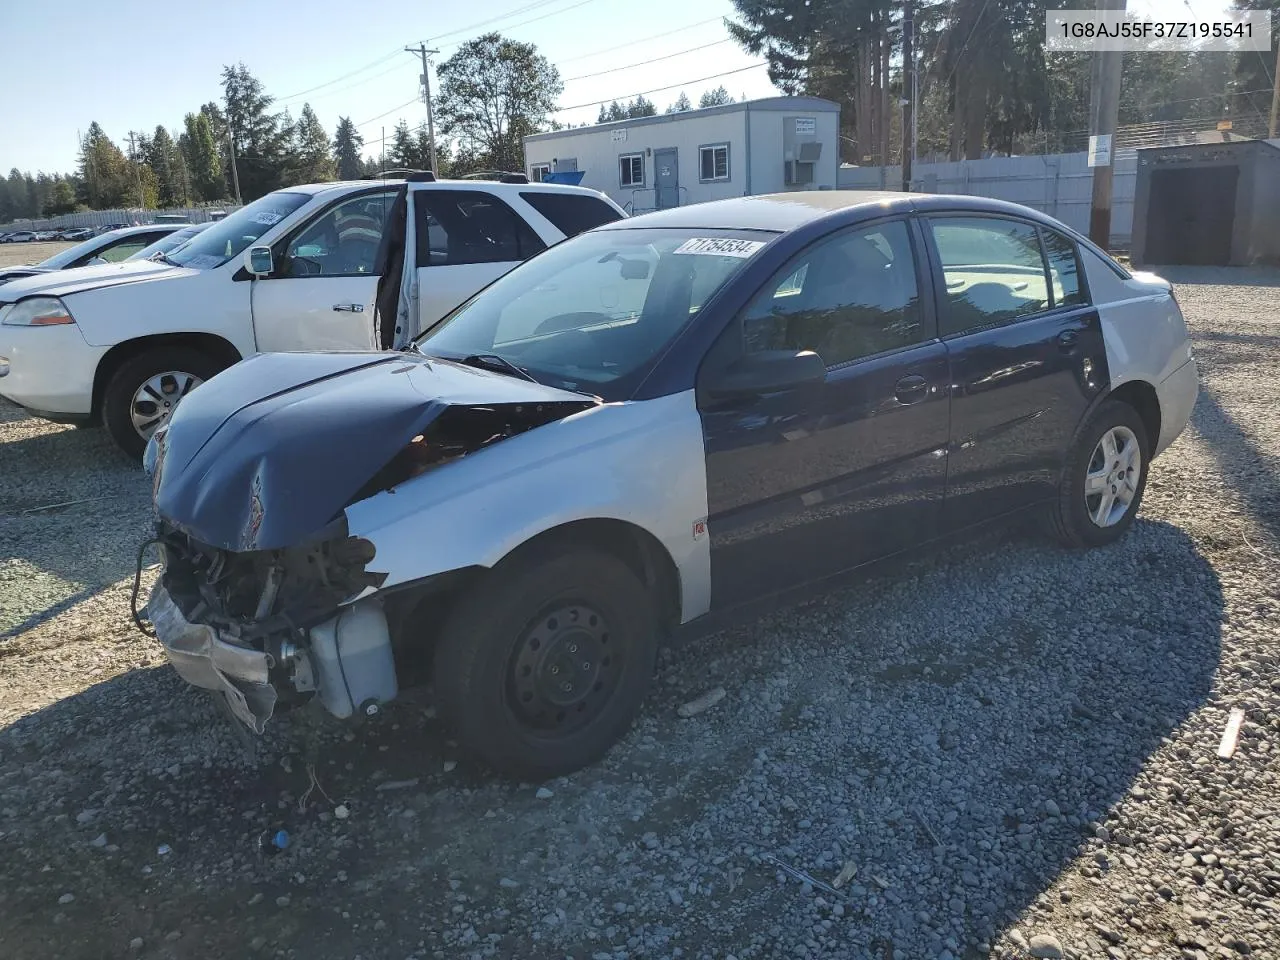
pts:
[571, 213]
[456, 227]
[1064, 270]
[994, 272]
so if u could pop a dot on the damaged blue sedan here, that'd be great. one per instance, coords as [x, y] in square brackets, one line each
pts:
[662, 421]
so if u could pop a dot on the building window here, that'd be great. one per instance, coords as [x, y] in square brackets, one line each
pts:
[631, 170]
[713, 162]
[538, 172]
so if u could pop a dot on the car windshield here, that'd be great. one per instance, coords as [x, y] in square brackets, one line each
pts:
[71, 254]
[231, 237]
[595, 311]
[168, 244]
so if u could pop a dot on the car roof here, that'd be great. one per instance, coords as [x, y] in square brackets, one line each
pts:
[783, 212]
[489, 186]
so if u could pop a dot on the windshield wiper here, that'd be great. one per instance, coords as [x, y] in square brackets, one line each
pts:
[164, 258]
[491, 361]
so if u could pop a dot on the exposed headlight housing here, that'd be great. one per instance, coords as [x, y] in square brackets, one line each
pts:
[38, 312]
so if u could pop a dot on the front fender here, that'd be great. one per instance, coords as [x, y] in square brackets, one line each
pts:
[641, 462]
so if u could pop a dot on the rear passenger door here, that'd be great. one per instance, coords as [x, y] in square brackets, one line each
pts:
[465, 239]
[1026, 356]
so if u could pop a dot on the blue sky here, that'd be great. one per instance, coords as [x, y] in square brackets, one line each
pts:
[131, 64]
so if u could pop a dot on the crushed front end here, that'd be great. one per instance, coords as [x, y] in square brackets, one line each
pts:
[273, 628]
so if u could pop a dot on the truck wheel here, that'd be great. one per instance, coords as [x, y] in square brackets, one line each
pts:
[543, 665]
[1104, 479]
[145, 390]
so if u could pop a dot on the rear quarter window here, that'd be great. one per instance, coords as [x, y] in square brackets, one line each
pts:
[569, 213]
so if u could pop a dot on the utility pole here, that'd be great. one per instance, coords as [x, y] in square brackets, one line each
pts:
[422, 51]
[1273, 127]
[137, 169]
[909, 91]
[1108, 65]
[235, 171]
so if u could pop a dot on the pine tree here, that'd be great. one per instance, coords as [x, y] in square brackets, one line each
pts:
[160, 155]
[203, 158]
[681, 104]
[715, 98]
[346, 150]
[311, 160]
[261, 144]
[104, 171]
[404, 149]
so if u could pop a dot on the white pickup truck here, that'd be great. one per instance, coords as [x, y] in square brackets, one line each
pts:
[298, 269]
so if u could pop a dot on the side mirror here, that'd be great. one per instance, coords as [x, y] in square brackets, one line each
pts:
[768, 371]
[259, 261]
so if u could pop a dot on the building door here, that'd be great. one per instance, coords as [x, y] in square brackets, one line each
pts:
[1192, 214]
[666, 178]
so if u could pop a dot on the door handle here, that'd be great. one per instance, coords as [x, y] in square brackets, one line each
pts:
[349, 307]
[910, 389]
[1068, 339]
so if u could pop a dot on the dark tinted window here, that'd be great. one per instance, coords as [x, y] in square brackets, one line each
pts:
[849, 296]
[994, 272]
[1064, 270]
[462, 226]
[571, 213]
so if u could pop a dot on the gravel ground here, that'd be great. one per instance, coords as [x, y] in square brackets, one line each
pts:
[20, 254]
[1011, 747]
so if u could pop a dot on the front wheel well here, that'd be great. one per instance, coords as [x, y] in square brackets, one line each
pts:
[1141, 396]
[218, 347]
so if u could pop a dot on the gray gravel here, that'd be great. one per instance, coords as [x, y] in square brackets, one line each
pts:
[1007, 749]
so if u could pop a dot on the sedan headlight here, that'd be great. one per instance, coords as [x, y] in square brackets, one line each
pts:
[38, 312]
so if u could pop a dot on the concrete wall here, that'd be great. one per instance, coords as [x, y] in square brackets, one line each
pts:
[1060, 185]
[98, 218]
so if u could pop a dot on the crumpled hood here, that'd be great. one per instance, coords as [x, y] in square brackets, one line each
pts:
[267, 453]
[61, 283]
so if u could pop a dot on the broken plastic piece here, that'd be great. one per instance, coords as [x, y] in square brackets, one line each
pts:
[1231, 735]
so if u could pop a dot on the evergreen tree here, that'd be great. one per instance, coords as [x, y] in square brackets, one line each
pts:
[640, 107]
[681, 104]
[104, 171]
[62, 199]
[311, 160]
[203, 158]
[160, 154]
[261, 146]
[715, 98]
[346, 150]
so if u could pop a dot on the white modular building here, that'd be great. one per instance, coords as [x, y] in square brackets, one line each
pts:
[771, 145]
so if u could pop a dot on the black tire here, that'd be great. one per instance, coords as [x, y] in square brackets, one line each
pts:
[128, 378]
[1070, 515]
[525, 615]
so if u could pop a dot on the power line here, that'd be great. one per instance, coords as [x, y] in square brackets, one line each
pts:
[395, 68]
[645, 63]
[329, 83]
[673, 86]
[484, 23]
[636, 43]
[523, 23]
[387, 113]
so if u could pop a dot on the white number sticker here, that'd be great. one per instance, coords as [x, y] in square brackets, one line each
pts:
[268, 217]
[719, 247]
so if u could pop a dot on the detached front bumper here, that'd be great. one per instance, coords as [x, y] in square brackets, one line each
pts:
[204, 659]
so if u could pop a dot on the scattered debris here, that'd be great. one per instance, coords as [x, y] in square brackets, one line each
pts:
[66, 898]
[849, 871]
[64, 503]
[397, 784]
[341, 811]
[164, 850]
[702, 703]
[801, 875]
[99, 841]
[269, 843]
[1231, 734]
[544, 794]
[881, 882]
[450, 766]
[924, 825]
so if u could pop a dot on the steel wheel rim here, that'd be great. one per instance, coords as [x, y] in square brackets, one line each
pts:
[565, 668]
[153, 403]
[1113, 476]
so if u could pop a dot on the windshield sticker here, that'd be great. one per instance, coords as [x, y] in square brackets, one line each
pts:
[719, 247]
[268, 217]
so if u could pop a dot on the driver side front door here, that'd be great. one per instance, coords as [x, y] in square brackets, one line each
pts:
[320, 294]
